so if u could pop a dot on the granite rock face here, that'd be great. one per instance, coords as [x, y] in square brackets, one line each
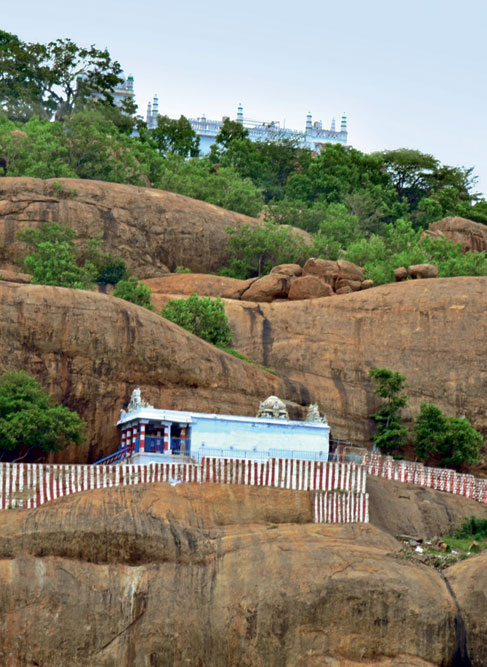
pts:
[91, 350]
[471, 235]
[432, 331]
[212, 575]
[152, 230]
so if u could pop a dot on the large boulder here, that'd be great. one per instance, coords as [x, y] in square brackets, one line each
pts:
[309, 287]
[350, 271]
[326, 269]
[214, 575]
[418, 328]
[91, 350]
[288, 269]
[418, 271]
[471, 235]
[152, 230]
[196, 283]
[267, 288]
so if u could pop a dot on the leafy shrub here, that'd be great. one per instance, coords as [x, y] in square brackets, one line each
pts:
[55, 259]
[111, 270]
[202, 316]
[30, 418]
[453, 440]
[474, 527]
[136, 292]
[391, 434]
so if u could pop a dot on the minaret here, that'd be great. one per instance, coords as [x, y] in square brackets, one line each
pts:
[155, 108]
[333, 125]
[148, 118]
[130, 82]
[309, 122]
[240, 113]
[343, 127]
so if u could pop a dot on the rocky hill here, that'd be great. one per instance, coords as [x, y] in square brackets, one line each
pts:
[211, 575]
[90, 351]
[432, 331]
[152, 230]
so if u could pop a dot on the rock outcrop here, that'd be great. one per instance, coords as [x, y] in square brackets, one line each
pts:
[209, 575]
[432, 331]
[152, 230]
[471, 235]
[91, 350]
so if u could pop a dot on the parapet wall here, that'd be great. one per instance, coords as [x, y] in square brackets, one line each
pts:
[440, 479]
[340, 488]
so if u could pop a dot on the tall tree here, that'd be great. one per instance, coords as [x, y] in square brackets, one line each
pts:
[175, 136]
[47, 79]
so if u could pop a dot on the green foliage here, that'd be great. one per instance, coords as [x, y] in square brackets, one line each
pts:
[472, 528]
[55, 259]
[111, 270]
[134, 291]
[46, 79]
[452, 440]
[255, 250]
[202, 316]
[30, 418]
[400, 245]
[182, 269]
[223, 186]
[175, 136]
[390, 435]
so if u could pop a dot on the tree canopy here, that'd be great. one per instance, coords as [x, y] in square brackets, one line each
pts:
[202, 316]
[29, 418]
[46, 79]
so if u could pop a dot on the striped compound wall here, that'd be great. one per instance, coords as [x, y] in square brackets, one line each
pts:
[440, 479]
[340, 487]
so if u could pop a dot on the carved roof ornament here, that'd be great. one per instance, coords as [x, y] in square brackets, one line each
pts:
[136, 402]
[273, 408]
[314, 414]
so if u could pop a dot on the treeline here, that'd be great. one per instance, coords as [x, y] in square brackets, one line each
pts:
[58, 119]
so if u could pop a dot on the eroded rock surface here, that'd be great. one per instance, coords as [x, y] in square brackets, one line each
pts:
[431, 331]
[211, 575]
[471, 235]
[152, 230]
[91, 350]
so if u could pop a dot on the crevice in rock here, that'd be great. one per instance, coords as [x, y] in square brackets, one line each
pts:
[460, 657]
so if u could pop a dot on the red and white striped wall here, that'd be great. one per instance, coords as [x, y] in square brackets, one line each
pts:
[337, 507]
[27, 485]
[440, 479]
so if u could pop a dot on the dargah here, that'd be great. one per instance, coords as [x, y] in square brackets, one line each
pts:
[151, 434]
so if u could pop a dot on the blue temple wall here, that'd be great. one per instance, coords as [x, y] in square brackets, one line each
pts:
[212, 435]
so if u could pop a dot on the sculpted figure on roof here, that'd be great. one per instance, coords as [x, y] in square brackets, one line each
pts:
[273, 408]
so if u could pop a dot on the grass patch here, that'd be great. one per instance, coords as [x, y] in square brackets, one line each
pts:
[242, 357]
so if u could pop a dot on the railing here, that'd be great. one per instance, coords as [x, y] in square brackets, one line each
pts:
[119, 455]
[260, 456]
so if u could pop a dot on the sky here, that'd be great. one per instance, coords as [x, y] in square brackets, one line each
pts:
[406, 74]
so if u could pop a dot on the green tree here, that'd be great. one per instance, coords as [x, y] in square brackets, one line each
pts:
[451, 440]
[175, 136]
[55, 257]
[202, 316]
[391, 434]
[136, 292]
[255, 250]
[29, 418]
[223, 186]
[46, 79]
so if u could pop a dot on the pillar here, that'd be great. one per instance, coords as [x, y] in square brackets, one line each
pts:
[128, 441]
[167, 444]
[182, 436]
[142, 436]
[122, 438]
[158, 436]
[134, 437]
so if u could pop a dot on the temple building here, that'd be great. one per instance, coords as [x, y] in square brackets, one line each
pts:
[149, 434]
[314, 136]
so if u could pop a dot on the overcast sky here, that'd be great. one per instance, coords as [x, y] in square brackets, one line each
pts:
[410, 74]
